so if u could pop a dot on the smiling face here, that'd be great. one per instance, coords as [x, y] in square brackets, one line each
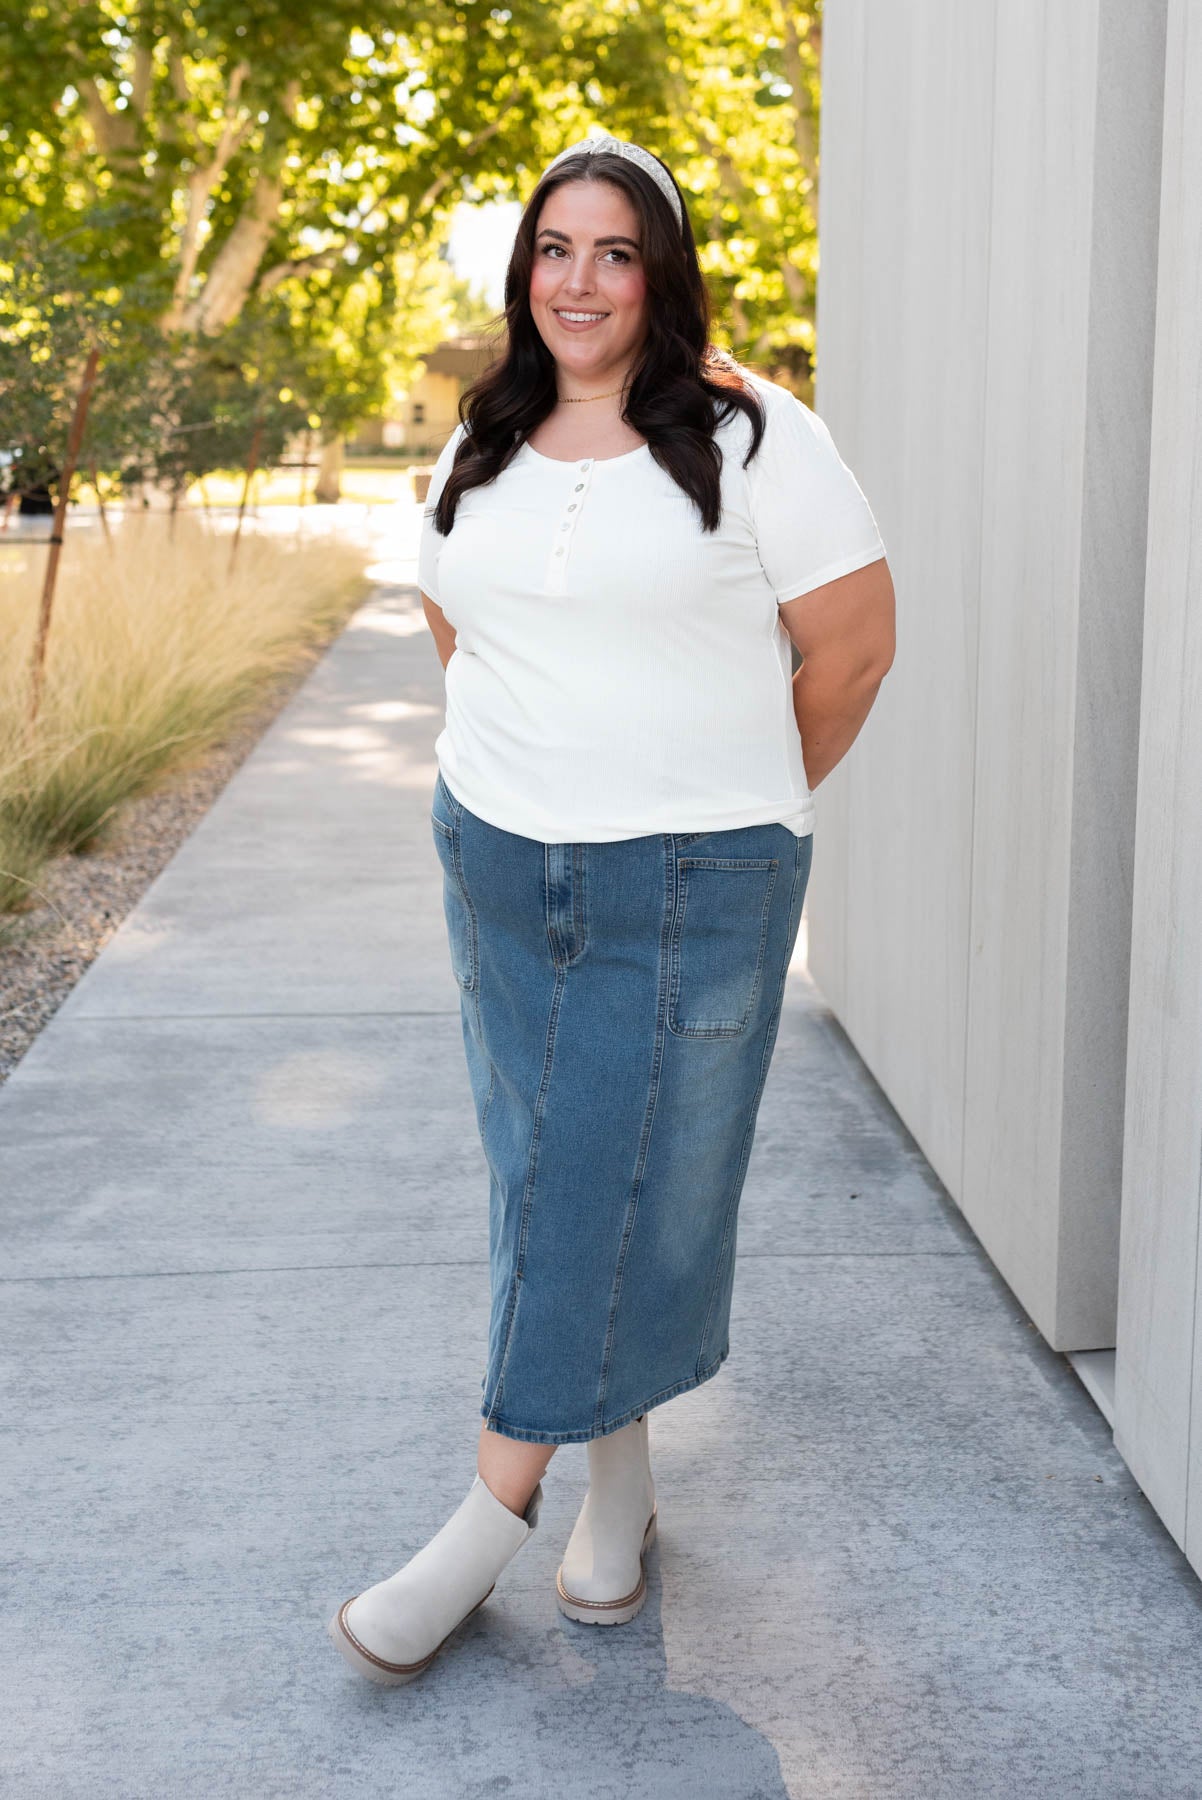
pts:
[587, 261]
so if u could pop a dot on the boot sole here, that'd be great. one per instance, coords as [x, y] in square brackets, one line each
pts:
[385, 1674]
[608, 1612]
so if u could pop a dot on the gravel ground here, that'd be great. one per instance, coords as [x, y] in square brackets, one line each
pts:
[44, 952]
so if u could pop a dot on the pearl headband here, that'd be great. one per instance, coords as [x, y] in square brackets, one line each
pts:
[632, 153]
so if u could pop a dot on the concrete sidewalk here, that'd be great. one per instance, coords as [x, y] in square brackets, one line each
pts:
[244, 1307]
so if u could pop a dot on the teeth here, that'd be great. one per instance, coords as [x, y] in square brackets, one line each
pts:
[580, 317]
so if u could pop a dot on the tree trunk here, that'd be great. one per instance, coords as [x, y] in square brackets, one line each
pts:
[201, 183]
[74, 440]
[236, 265]
[329, 472]
[237, 262]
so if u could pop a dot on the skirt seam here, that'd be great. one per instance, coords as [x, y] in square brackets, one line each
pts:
[528, 1194]
[648, 1124]
[492, 1067]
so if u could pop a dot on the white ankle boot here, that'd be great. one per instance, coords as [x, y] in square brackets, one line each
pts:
[600, 1580]
[393, 1631]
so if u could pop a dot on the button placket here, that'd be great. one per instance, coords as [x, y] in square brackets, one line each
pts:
[561, 538]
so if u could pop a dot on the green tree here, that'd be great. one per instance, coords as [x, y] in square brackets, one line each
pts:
[251, 144]
[298, 163]
[292, 161]
[741, 116]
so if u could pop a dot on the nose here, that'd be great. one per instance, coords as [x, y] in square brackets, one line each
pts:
[579, 280]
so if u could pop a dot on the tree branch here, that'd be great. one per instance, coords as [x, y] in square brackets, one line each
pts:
[306, 265]
[142, 73]
[179, 77]
[233, 272]
[201, 183]
[114, 134]
[794, 280]
[436, 187]
[803, 108]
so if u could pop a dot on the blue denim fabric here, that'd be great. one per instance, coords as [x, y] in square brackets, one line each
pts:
[620, 1004]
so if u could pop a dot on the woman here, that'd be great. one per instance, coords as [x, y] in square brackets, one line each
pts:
[622, 536]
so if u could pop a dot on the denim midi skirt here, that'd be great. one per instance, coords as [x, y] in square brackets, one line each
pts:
[620, 1004]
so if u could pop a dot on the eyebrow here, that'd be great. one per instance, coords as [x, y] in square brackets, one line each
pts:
[549, 231]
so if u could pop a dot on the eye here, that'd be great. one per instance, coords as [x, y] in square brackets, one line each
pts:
[624, 254]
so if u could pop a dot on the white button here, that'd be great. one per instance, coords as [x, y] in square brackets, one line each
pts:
[559, 549]
[584, 465]
[572, 505]
[578, 488]
[566, 526]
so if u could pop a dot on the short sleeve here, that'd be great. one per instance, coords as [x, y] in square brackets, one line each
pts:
[812, 522]
[430, 544]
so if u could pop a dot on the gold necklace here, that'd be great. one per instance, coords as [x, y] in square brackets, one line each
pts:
[572, 399]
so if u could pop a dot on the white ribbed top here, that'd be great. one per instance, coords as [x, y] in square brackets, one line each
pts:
[619, 671]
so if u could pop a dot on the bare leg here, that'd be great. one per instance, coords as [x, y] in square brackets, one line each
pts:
[510, 1468]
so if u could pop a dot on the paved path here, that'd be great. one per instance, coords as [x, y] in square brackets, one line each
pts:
[244, 1302]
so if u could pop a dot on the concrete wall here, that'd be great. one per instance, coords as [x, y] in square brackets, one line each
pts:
[986, 316]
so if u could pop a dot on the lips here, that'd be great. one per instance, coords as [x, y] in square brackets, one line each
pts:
[578, 323]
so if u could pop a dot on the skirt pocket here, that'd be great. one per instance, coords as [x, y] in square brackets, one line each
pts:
[716, 948]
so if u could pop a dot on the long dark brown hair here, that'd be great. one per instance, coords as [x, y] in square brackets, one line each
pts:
[681, 388]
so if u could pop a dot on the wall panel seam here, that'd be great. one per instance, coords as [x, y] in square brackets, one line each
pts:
[1188, 16]
[976, 698]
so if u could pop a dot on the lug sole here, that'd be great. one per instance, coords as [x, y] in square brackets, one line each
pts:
[608, 1612]
[385, 1674]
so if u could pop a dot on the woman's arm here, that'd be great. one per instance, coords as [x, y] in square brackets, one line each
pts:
[444, 633]
[845, 633]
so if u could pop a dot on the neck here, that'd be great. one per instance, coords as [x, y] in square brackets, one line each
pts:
[599, 389]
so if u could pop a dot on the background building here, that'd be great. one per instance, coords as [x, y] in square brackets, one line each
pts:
[426, 416]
